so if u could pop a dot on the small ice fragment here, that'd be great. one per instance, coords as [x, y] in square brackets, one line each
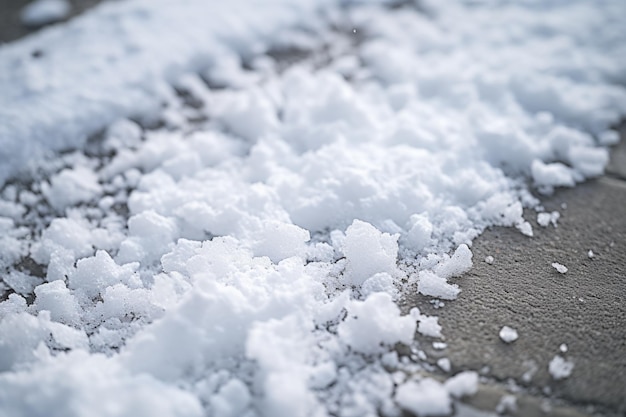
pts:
[439, 345]
[41, 12]
[590, 254]
[564, 206]
[507, 404]
[563, 347]
[560, 368]
[444, 364]
[561, 268]
[508, 334]
[525, 228]
[489, 259]
[544, 219]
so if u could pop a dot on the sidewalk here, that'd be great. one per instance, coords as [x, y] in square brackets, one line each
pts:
[582, 308]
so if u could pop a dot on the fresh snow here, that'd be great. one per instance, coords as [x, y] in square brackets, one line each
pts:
[222, 208]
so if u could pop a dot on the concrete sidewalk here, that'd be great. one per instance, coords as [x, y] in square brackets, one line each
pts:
[583, 308]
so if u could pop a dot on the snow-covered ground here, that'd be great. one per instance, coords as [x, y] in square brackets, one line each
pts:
[214, 208]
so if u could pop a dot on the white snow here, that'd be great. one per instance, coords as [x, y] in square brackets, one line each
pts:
[489, 259]
[463, 384]
[426, 397]
[41, 12]
[559, 267]
[590, 254]
[544, 219]
[190, 225]
[508, 334]
[560, 368]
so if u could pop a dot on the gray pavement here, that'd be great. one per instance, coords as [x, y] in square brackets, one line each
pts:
[583, 308]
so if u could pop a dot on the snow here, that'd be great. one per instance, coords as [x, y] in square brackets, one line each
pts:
[560, 268]
[463, 384]
[560, 368]
[426, 397]
[544, 219]
[590, 254]
[195, 222]
[508, 334]
[489, 259]
[41, 12]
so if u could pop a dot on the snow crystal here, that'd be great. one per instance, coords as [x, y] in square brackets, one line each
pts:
[462, 384]
[41, 12]
[560, 368]
[560, 268]
[425, 397]
[508, 334]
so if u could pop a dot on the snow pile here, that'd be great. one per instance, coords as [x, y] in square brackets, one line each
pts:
[224, 221]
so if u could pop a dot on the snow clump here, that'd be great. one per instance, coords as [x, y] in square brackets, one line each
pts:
[560, 368]
[508, 334]
[560, 268]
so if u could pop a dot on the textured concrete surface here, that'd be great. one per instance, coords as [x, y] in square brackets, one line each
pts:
[583, 308]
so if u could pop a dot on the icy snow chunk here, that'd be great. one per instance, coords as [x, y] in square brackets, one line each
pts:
[424, 398]
[250, 115]
[590, 254]
[433, 285]
[41, 12]
[552, 175]
[94, 274]
[563, 348]
[444, 364]
[429, 326]
[375, 323]
[381, 282]
[56, 298]
[64, 233]
[150, 236]
[123, 134]
[21, 282]
[420, 233]
[489, 259]
[544, 219]
[279, 240]
[561, 268]
[525, 228]
[508, 334]
[458, 264]
[61, 265]
[560, 368]
[462, 384]
[71, 186]
[507, 404]
[368, 251]
[439, 345]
